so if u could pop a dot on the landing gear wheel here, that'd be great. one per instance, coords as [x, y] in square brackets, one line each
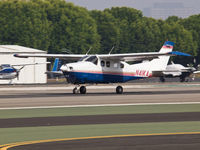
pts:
[82, 89]
[182, 79]
[75, 90]
[162, 79]
[119, 89]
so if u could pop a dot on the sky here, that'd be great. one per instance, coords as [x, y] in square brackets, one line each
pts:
[138, 4]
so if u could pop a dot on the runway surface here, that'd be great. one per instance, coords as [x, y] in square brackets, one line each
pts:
[62, 96]
[161, 142]
[28, 97]
[98, 119]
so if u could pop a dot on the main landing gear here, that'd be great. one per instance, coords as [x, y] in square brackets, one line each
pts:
[83, 90]
[119, 89]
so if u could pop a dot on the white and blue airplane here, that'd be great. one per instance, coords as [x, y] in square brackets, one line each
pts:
[9, 72]
[111, 68]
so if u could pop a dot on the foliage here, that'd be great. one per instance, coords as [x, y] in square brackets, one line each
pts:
[55, 25]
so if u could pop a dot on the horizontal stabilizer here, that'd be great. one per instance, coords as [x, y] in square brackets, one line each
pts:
[176, 53]
[54, 72]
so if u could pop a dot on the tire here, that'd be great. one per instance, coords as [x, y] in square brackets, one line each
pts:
[162, 79]
[75, 91]
[83, 90]
[119, 89]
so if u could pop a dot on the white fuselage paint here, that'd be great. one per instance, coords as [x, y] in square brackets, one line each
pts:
[120, 68]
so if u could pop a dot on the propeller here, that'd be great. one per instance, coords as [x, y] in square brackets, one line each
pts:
[18, 71]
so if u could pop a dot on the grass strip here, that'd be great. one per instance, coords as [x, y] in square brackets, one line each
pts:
[82, 111]
[10, 135]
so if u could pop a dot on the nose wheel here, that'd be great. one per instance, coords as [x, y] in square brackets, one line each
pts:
[75, 90]
[119, 89]
[82, 90]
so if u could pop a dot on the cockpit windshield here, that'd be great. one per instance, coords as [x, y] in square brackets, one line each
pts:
[83, 58]
[92, 59]
[5, 65]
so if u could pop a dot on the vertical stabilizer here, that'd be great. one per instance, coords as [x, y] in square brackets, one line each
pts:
[161, 62]
[167, 47]
[55, 65]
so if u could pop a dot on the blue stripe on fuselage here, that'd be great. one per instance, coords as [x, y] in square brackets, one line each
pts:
[82, 77]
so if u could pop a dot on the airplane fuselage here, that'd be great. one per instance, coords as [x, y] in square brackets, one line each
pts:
[103, 71]
[8, 73]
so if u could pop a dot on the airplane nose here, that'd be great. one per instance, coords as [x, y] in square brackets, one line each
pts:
[66, 68]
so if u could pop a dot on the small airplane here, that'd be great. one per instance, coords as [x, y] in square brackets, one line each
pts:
[177, 70]
[111, 68]
[9, 72]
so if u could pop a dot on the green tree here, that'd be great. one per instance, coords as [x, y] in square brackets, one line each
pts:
[107, 29]
[72, 28]
[193, 25]
[125, 17]
[24, 23]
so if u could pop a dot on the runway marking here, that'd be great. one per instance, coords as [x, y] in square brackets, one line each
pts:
[100, 105]
[70, 87]
[7, 146]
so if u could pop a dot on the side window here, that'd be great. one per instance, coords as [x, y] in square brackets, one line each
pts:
[115, 65]
[102, 63]
[107, 63]
[121, 65]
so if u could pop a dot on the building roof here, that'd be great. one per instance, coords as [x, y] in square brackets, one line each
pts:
[18, 49]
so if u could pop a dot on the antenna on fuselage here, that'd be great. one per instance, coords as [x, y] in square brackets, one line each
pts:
[88, 51]
[111, 50]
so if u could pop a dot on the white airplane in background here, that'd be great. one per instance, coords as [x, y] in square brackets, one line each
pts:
[177, 70]
[111, 68]
[9, 72]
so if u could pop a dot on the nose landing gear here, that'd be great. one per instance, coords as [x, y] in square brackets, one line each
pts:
[82, 90]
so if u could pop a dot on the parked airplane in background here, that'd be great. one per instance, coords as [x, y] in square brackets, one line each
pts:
[9, 72]
[111, 68]
[56, 69]
[177, 70]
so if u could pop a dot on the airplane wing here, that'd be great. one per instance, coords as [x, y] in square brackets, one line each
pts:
[118, 57]
[30, 64]
[61, 56]
[140, 56]
[161, 73]
[196, 72]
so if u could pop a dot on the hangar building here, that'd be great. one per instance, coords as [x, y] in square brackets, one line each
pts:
[31, 74]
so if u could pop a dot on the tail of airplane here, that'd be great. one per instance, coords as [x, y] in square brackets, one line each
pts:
[161, 62]
[55, 65]
[56, 69]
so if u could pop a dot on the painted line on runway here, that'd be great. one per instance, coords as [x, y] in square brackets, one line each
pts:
[11, 145]
[100, 105]
[143, 86]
